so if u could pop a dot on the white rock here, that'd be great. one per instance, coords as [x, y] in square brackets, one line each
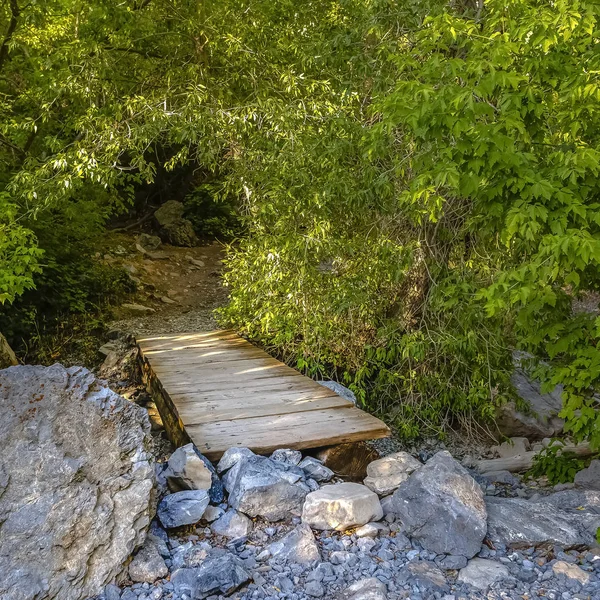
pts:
[386, 474]
[481, 573]
[147, 565]
[298, 546]
[187, 471]
[366, 589]
[571, 571]
[212, 513]
[286, 455]
[371, 530]
[341, 506]
[512, 447]
[232, 525]
[231, 457]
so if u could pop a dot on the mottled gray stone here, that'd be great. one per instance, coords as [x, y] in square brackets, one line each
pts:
[174, 228]
[298, 546]
[316, 470]
[232, 457]
[267, 488]
[285, 455]
[516, 522]
[442, 507]
[147, 565]
[426, 575]
[220, 573]
[187, 471]
[339, 389]
[76, 482]
[386, 474]
[590, 477]
[183, 508]
[365, 589]
[481, 573]
[232, 525]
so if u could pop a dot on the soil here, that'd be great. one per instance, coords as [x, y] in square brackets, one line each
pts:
[181, 285]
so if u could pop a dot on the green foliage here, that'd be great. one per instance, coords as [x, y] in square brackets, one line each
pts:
[556, 465]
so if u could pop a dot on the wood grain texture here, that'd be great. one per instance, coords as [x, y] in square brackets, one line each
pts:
[219, 391]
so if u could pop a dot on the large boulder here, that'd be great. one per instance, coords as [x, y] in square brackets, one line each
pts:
[540, 419]
[442, 507]
[76, 483]
[173, 227]
[341, 506]
[516, 523]
[261, 487]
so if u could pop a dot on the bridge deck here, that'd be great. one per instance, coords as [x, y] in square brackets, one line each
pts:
[219, 391]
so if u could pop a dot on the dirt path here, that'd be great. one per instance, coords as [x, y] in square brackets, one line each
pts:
[181, 285]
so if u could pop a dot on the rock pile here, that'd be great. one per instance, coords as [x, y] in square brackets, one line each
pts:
[285, 533]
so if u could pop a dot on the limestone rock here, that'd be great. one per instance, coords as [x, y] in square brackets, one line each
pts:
[285, 455]
[341, 506]
[259, 486]
[183, 508]
[512, 447]
[231, 457]
[232, 525]
[212, 513]
[481, 573]
[522, 523]
[571, 571]
[297, 546]
[442, 507]
[137, 309]
[7, 356]
[340, 390]
[148, 242]
[372, 530]
[365, 589]
[147, 565]
[542, 420]
[76, 483]
[187, 469]
[220, 573]
[348, 460]
[426, 575]
[174, 228]
[386, 474]
[590, 477]
[316, 470]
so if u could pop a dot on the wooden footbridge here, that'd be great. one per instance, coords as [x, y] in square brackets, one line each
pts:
[219, 391]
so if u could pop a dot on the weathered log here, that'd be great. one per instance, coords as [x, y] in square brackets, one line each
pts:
[7, 356]
[524, 462]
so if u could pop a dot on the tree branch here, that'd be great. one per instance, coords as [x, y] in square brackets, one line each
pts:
[15, 12]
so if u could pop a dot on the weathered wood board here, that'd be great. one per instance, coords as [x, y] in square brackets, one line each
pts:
[219, 391]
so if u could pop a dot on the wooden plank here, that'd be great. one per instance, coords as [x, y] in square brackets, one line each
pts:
[259, 396]
[309, 429]
[195, 413]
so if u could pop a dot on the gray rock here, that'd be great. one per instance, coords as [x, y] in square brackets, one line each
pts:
[183, 508]
[589, 478]
[148, 242]
[297, 546]
[452, 562]
[147, 565]
[174, 228]
[365, 589]
[516, 523]
[112, 592]
[481, 573]
[424, 574]
[542, 418]
[314, 589]
[340, 390]
[505, 477]
[571, 571]
[341, 506]
[186, 471]
[372, 530]
[442, 507]
[291, 457]
[512, 447]
[221, 572]
[316, 470]
[575, 499]
[232, 525]
[212, 513]
[231, 457]
[76, 482]
[267, 488]
[137, 309]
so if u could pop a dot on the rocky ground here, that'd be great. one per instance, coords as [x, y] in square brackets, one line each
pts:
[441, 534]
